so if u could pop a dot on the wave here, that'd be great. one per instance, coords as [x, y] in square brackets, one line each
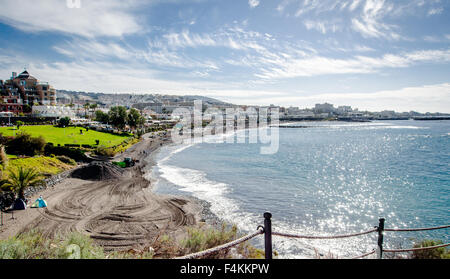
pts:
[217, 194]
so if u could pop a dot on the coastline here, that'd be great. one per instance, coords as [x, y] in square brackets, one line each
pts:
[120, 214]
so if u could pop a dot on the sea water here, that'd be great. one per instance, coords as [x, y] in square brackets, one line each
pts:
[330, 178]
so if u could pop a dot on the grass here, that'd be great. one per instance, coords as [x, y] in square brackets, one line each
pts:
[203, 237]
[34, 245]
[69, 135]
[46, 166]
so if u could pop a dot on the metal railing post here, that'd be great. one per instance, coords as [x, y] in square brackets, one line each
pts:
[268, 235]
[380, 237]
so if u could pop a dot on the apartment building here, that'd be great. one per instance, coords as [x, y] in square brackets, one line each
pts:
[22, 90]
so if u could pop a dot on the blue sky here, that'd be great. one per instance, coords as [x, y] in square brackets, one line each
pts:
[371, 54]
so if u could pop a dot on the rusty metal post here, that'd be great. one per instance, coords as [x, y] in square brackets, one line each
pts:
[268, 235]
[380, 237]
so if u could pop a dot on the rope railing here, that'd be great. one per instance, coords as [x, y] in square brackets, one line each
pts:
[416, 249]
[365, 255]
[222, 247]
[323, 237]
[417, 230]
[267, 231]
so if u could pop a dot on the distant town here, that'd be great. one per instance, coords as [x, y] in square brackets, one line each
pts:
[25, 96]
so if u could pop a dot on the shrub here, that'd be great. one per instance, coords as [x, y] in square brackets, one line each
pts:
[105, 151]
[3, 157]
[24, 144]
[84, 245]
[66, 160]
[439, 253]
[33, 245]
[203, 238]
[76, 154]
[64, 122]
[200, 239]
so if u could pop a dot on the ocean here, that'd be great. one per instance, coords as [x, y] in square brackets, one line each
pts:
[330, 178]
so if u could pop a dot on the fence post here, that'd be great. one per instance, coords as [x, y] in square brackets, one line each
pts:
[381, 237]
[268, 235]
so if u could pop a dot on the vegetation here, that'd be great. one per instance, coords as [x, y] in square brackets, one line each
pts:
[135, 119]
[3, 157]
[439, 253]
[203, 238]
[19, 124]
[64, 122]
[33, 245]
[25, 144]
[46, 166]
[67, 160]
[21, 179]
[101, 117]
[68, 135]
[118, 117]
[111, 151]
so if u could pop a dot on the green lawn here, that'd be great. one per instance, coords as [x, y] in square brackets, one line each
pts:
[43, 165]
[69, 135]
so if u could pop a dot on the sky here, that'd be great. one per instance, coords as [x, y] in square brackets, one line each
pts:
[371, 54]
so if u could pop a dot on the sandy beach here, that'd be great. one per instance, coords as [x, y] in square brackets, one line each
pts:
[119, 214]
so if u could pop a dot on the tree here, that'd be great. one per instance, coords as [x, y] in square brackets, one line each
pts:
[86, 107]
[101, 117]
[3, 158]
[64, 122]
[24, 144]
[27, 109]
[21, 179]
[118, 117]
[135, 118]
[94, 106]
[19, 124]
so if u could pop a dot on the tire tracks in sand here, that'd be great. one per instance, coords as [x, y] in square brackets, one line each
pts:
[119, 214]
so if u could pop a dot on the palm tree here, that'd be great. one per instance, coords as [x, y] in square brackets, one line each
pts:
[18, 181]
[86, 107]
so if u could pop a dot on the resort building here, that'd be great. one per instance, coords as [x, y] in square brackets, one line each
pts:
[53, 111]
[324, 108]
[21, 92]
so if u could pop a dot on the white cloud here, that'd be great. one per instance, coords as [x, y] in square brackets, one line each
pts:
[94, 18]
[431, 98]
[371, 22]
[319, 65]
[321, 26]
[435, 11]
[253, 3]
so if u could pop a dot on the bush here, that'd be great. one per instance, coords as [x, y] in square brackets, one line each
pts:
[203, 238]
[72, 145]
[86, 248]
[64, 122]
[24, 144]
[439, 253]
[33, 245]
[66, 160]
[76, 154]
[105, 151]
[200, 239]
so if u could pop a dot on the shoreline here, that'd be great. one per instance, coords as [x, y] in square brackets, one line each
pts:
[120, 214]
[206, 214]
